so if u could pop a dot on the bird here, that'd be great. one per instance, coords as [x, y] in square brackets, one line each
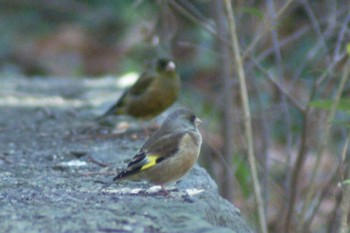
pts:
[169, 153]
[155, 90]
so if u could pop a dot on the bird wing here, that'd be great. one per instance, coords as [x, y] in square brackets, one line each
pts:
[137, 89]
[117, 105]
[142, 84]
[157, 152]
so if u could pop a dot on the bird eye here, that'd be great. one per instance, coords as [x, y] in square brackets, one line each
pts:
[192, 118]
[162, 63]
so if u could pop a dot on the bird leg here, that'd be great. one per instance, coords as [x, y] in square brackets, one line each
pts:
[163, 191]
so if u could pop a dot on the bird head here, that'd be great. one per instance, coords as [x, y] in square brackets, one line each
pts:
[181, 119]
[166, 65]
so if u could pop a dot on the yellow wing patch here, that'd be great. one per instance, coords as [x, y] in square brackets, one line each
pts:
[152, 160]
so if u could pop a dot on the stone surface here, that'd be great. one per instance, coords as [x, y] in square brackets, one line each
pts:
[47, 175]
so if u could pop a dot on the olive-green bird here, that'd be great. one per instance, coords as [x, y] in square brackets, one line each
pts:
[154, 91]
[169, 153]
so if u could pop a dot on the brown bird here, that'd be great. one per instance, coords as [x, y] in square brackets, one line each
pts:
[169, 153]
[154, 91]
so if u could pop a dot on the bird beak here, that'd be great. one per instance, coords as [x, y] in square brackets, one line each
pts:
[170, 66]
[197, 121]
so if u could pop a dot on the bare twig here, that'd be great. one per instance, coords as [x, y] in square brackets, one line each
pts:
[333, 219]
[247, 118]
[99, 163]
[217, 154]
[266, 29]
[207, 27]
[279, 88]
[282, 96]
[345, 203]
[340, 37]
[227, 109]
[284, 42]
[296, 173]
[320, 151]
[330, 68]
[278, 59]
[316, 25]
[331, 180]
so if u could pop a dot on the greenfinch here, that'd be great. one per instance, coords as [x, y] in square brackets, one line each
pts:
[154, 91]
[169, 153]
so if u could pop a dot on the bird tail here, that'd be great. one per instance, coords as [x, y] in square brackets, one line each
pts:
[118, 178]
[121, 175]
[116, 109]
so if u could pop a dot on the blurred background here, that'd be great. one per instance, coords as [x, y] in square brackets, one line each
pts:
[296, 65]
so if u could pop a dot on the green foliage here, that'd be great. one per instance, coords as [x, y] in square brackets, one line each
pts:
[253, 11]
[343, 105]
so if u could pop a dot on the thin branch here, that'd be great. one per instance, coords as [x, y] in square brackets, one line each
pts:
[266, 29]
[295, 36]
[265, 146]
[345, 203]
[278, 59]
[217, 154]
[330, 68]
[322, 196]
[341, 36]
[312, 190]
[187, 14]
[283, 8]
[227, 109]
[316, 25]
[247, 118]
[280, 89]
[282, 97]
[296, 173]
